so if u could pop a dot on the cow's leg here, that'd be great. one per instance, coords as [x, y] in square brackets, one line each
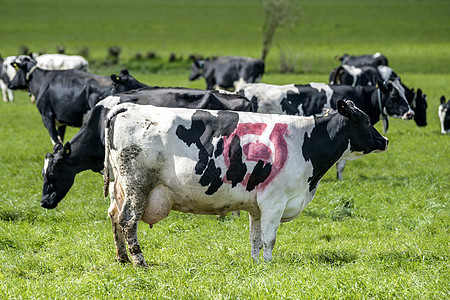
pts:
[270, 220]
[340, 165]
[119, 238]
[131, 213]
[3, 88]
[49, 123]
[255, 236]
[10, 95]
[61, 132]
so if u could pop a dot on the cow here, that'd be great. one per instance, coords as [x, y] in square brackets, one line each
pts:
[214, 162]
[224, 72]
[7, 73]
[61, 62]
[86, 150]
[376, 101]
[125, 82]
[376, 59]
[63, 97]
[370, 75]
[444, 115]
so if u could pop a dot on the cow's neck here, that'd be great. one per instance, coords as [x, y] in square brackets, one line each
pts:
[35, 80]
[375, 111]
[325, 146]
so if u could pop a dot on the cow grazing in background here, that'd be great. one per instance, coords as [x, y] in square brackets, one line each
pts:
[376, 59]
[7, 73]
[444, 115]
[311, 99]
[86, 150]
[214, 162]
[62, 96]
[125, 82]
[61, 62]
[224, 72]
[369, 75]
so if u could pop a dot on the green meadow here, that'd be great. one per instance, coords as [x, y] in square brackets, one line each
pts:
[381, 233]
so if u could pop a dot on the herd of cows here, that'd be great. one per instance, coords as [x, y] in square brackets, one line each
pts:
[262, 148]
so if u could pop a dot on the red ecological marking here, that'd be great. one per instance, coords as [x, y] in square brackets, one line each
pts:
[255, 151]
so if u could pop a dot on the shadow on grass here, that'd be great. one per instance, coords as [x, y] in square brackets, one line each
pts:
[334, 258]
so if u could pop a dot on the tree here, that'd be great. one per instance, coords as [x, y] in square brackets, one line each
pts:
[277, 13]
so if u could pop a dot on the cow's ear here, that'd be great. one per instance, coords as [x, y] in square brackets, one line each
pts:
[345, 108]
[442, 99]
[67, 150]
[58, 146]
[124, 72]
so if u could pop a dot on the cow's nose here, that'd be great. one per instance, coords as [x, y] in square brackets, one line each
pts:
[409, 115]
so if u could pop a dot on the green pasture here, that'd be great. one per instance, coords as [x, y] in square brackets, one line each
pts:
[381, 233]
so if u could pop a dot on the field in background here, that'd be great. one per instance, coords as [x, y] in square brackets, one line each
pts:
[383, 232]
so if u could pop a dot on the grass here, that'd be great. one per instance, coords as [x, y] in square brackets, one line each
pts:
[382, 233]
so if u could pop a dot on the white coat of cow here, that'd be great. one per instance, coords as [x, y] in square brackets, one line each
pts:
[215, 162]
[61, 62]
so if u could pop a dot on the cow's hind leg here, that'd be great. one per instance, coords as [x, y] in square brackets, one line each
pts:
[255, 236]
[135, 201]
[116, 195]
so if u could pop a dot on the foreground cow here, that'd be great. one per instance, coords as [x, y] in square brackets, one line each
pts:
[444, 115]
[376, 59]
[311, 99]
[61, 62]
[209, 162]
[369, 75]
[62, 97]
[224, 72]
[86, 150]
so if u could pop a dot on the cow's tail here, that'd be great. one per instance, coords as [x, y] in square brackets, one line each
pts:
[108, 142]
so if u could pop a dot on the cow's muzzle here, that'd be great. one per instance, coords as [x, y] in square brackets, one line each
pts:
[408, 115]
[49, 201]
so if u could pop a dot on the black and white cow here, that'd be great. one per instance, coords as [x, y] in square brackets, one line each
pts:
[62, 97]
[444, 115]
[363, 60]
[125, 82]
[224, 72]
[86, 150]
[312, 99]
[214, 162]
[369, 75]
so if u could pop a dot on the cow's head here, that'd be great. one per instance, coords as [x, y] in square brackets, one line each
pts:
[23, 72]
[196, 69]
[363, 137]
[58, 176]
[444, 115]
[125, 82]
[393, 101]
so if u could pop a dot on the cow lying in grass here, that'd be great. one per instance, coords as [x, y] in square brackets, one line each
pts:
[215, 162]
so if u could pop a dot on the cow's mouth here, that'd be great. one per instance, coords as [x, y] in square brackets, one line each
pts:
[49, 201]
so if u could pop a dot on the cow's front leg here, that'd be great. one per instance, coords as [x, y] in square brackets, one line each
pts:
[49, 123]
[61, 132]
[255, 236]
[130, 214]
[119, 238]
[270, 220]
[340, 165]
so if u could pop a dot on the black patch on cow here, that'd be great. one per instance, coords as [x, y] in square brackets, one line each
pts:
[204, 128]
[237, 169]
[212, 178]
[316, 148]
[254, 103]
[288, 107]
[259, 174]
[219, 148]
